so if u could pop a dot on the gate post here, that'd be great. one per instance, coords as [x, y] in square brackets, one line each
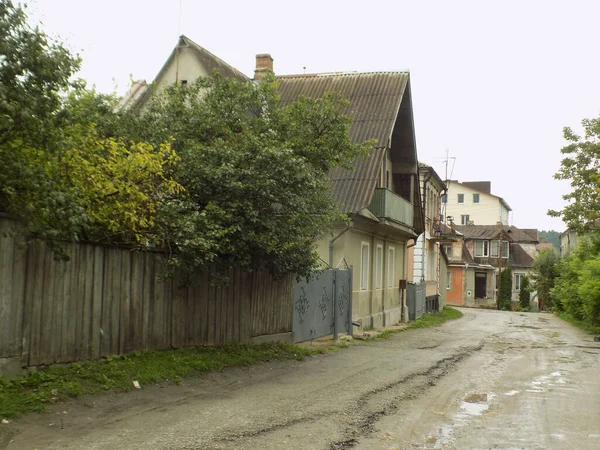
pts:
[350, 324]
[335, 305]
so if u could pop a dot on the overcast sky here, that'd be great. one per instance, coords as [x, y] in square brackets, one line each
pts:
[492, 82]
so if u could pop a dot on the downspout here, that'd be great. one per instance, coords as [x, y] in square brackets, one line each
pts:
[350, 225]
[423, 209]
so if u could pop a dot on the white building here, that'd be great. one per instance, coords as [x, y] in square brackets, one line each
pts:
[472, 203]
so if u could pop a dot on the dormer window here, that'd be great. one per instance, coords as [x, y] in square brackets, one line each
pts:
[482, 249]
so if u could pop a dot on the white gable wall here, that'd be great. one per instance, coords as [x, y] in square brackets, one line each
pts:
[488, 211]
[185, 66]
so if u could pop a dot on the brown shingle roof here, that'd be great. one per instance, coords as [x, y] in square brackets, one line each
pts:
[519, 257]
[374, 102]
[511, 233]
[374, 99]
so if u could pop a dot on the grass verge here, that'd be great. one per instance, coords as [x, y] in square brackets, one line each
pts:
[36, 390]
[578, 323]
[428, 320]
[33, 392]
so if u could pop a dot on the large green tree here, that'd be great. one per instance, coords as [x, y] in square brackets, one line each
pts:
[60, 172]
[581, 165]
[545, 270]
[255, 173]
[505, 291]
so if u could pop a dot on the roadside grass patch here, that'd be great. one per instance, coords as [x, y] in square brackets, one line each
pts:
[428, 320]
[33, 392]
[578, 323]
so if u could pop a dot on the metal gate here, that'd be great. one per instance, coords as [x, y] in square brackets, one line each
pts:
[323, 305]
[415, 299]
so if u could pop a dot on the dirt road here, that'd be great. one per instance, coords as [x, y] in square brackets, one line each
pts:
[489, 380]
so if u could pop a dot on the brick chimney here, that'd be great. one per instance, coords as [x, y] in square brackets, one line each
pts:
[264, 65]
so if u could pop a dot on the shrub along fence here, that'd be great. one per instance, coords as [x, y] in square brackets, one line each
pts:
[108, 300]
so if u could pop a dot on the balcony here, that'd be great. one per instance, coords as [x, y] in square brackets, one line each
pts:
[386, 204]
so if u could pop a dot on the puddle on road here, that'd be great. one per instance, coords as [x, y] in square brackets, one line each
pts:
[473, 405]
[540, 383]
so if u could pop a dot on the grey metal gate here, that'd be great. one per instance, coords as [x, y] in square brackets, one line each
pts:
[323, 305]
[415, 299]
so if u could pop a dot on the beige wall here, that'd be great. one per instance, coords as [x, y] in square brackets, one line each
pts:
[488, 211]
[370, 305]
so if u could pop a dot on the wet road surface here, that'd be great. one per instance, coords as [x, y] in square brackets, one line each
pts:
[491, 380]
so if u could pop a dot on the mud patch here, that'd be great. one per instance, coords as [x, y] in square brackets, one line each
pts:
[414, 385]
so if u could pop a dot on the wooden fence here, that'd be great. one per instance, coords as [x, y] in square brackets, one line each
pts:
[107, 301]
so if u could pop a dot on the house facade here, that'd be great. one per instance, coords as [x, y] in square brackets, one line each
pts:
[496, 247]
[471, 202]
[424, 256]
[380, 193]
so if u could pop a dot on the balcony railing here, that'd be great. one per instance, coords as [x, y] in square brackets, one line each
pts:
[386, 204]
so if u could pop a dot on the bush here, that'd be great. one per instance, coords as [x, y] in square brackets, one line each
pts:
[525, 293]
[505, 292]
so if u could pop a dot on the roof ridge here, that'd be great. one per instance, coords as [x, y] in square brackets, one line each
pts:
[348, 73]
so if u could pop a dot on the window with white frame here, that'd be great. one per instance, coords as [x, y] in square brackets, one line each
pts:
[379, 267]
[444, 198]
[447, 250]
[448, 281]
[364, 266]
[482, 249]
[461, 198]
[464, 219]
[518, 280]
[391, 267]
[475, 198]
[495, 246]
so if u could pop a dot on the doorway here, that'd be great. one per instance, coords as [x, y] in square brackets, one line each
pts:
[480, 284]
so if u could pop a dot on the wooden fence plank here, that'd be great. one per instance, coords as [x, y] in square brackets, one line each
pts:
[97, 301]
[125, 332]
[137, 299]
[38, 280]
[7, 285]
[47, 325]
[18, 294]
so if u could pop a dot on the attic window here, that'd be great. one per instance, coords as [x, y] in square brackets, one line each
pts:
[184, 82]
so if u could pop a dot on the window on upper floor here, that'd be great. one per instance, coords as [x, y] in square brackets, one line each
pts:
[482, 249]
[447, 250]
[464, 219]
[461, 198]
[445, 198]
[495, 246]
[475, 198]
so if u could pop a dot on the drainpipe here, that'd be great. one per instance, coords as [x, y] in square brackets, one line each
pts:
[424, 209]
[350, 225]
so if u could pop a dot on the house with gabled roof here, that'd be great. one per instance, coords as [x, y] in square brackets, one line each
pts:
[380, 193]
[185, 64]
[497, 246]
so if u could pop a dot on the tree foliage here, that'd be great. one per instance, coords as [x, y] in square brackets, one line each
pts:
[581, 165]
[59, 173]
[254, 171]
[577, 285]
[553, 237]
[545, 270]
[505, 291]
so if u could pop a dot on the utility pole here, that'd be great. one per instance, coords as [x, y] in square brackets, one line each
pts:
[499, 263]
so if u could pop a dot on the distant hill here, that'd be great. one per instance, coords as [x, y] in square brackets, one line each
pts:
[552, 236]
